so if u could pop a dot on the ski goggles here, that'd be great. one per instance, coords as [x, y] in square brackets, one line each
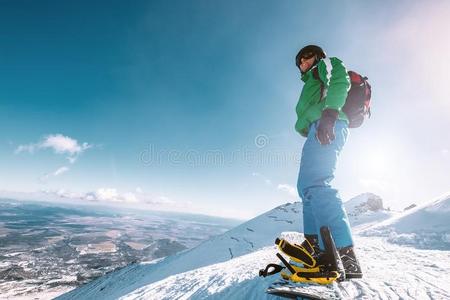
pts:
[306, 55]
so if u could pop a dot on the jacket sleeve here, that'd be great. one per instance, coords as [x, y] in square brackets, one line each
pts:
[334, 75]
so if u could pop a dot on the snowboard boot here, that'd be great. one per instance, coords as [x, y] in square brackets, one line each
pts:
[350, 263]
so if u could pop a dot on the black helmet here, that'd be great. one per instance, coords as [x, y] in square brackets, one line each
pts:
[309, 51]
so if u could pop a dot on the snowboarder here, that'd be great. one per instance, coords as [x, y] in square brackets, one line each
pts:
[332, 100]
[325, 126]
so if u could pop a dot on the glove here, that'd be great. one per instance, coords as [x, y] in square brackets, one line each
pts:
[325, 130]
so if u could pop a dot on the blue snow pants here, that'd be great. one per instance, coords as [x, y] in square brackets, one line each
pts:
[322, 205]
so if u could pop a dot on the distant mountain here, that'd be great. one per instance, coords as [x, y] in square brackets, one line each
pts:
[366, 209]
[363, 203]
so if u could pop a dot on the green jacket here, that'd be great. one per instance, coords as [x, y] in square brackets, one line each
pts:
[336, 82]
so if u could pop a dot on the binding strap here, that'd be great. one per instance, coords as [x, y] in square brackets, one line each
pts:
[308, 246]
[318, 278]
[267, 272]
[296, 252]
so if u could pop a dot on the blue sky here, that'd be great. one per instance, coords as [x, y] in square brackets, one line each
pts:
[189, 105]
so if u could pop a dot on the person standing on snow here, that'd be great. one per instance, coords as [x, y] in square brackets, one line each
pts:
[325, 126]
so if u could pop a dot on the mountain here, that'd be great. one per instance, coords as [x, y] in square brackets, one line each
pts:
[364, 203]
[366, 209]
[251, 240]
[426, 226]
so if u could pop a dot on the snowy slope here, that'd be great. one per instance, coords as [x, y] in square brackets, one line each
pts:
[245, 238]
[426, 226]
[226, 266]
[384, 279]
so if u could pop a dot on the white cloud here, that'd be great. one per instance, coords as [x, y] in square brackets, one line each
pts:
[64, 144]
[90, 197]
[288, 189]
[25, 148]
[59, 143]
[129, 198]
[160, 200]
[62, 193]
[101, 194]
[114, 197]
[60, 171]
[44, 178]
[107, 194]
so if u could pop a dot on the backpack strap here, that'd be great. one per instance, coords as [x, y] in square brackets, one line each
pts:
[315, 74]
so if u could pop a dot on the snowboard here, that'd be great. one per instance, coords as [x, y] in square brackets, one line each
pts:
[287, 289]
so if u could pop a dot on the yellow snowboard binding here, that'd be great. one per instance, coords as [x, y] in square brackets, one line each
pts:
[319, 269]
[317, 274]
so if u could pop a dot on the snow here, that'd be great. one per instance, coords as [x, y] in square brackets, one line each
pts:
[226, 266]
[238, 278]
[31, 294]
[63, 279]
[246, 238]
[426, 226]
[12, 254]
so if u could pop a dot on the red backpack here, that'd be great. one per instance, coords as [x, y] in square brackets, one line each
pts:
[357, 104]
